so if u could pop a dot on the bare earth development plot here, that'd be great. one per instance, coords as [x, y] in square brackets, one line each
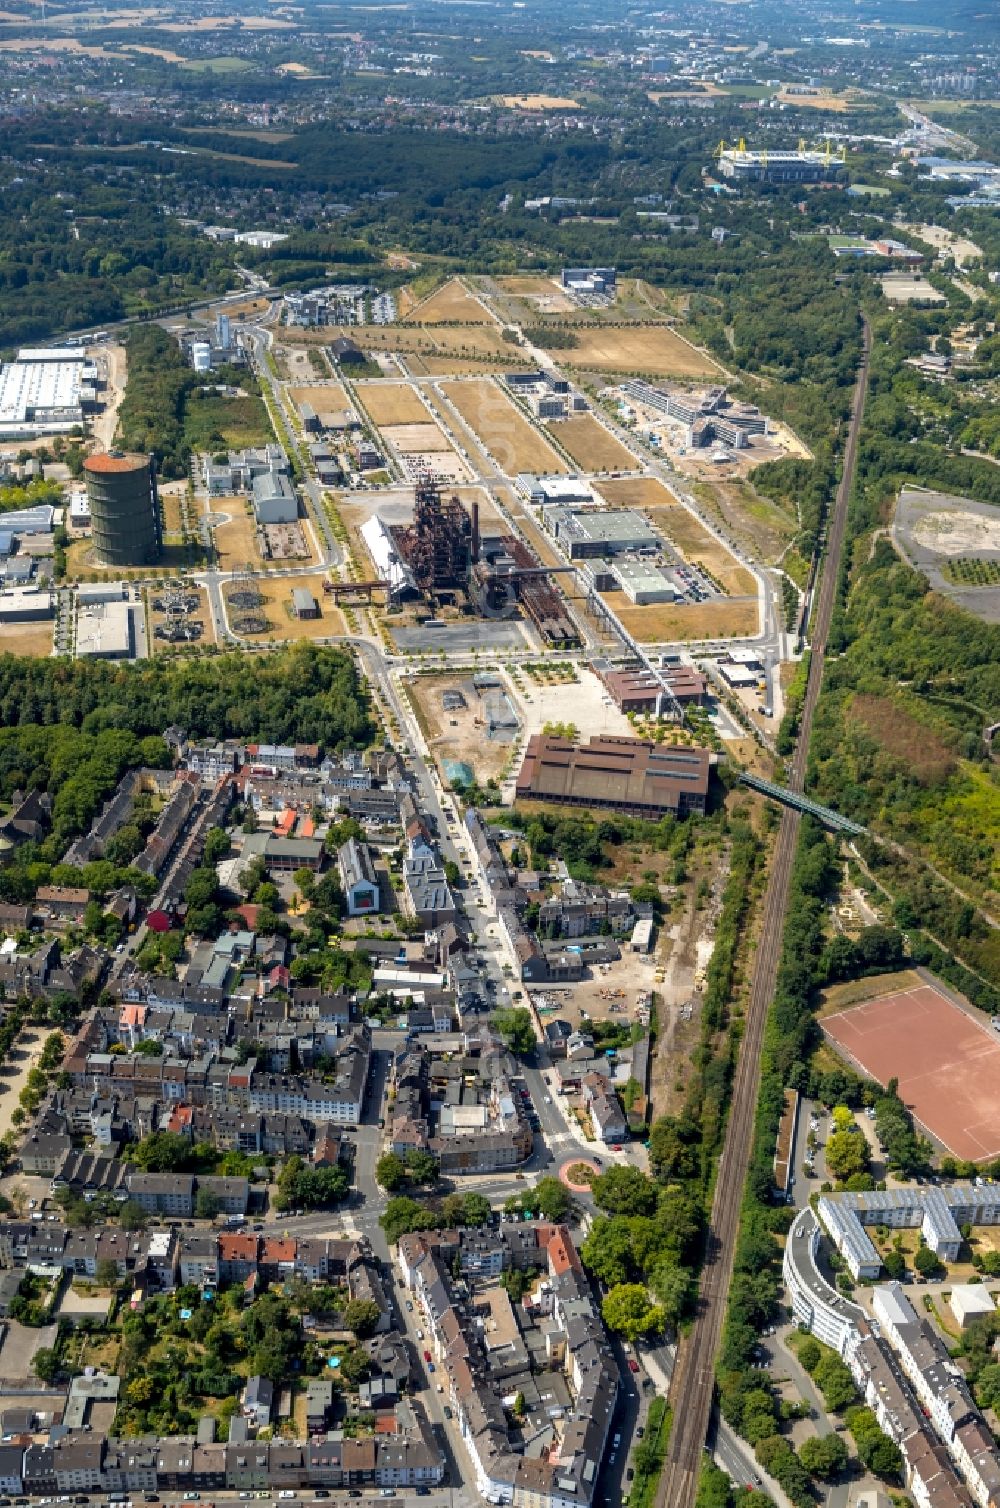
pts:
[451, 304]
[392, 403]
[592, 447]
[946, 1061]
[650, 350]
[508, 436]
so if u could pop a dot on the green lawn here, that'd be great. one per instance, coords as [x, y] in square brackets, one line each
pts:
[229, 423]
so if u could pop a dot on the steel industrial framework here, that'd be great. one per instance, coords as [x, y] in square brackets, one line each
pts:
[666, 699]
[441, 543]
[824, 814]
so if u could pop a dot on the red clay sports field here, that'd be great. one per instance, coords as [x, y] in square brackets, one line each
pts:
[947, 1063]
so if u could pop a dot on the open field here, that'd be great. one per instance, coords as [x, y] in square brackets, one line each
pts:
[946, 1060]
[325, 397]
[469, 340]
[638, 492]
[451, 366]
[83, 565]
[391, 403]
[651, 350]
[836, 104]
[33, 639]
[528, 284]
[236, 541]
[697, 545]
[592, 447]
[277, 594]
[457, 344]
[450, 304]
[415, 438]
[514, 444]
[665, 622]
[757, 524]
[538, 102]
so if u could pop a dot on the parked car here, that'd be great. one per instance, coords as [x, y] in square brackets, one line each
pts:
[427, 1356]
[633, 1366]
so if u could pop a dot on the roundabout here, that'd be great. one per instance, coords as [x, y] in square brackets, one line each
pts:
[578, 1174]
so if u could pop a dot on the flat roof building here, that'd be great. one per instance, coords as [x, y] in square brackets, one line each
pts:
[628, 774]
[642, 582]
[104, 631]
[40, 392]
[742, 166]
[589, 534]
[26, 605]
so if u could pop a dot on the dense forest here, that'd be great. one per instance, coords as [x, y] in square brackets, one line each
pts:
[305, 694]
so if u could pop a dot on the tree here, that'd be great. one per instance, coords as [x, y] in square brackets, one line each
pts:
[809, 1354]
[515, 1026]
[421, 1167]
[390, 1171]
[46, 1364]
[207, 1204]
[106, 1273]
[847, 1153]
[824, 1456]
[132, 1216]
[361, 1316]
[476, 1209]
[835, 1382]
[625, 1191]
[627, 1309]
[550, 1199]
[402, 1215]
[927, 1262]
[162, 1152]
[895, 1265]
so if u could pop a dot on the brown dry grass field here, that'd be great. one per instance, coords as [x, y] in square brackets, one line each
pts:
[450, 304]
[235, 542]
[476, 341]
[638, 492]
[528, 285]
[654, 350]
[413, 439]
[325, 397]
[451, 366]
[697, 545]
[453, 343]
[665, 622]
[171, 506]
[925, 755]
[81, 564]
[837, 997]
[277, 595]
[391, 403]
[592, 447]
[34, 639]
[512, 441]
[538, 102]
[757, 524]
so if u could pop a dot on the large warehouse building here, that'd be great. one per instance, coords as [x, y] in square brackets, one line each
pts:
[44, 391]
[628, 774]
[124, 508]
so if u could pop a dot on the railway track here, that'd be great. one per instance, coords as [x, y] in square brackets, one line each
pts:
[694, 1375]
